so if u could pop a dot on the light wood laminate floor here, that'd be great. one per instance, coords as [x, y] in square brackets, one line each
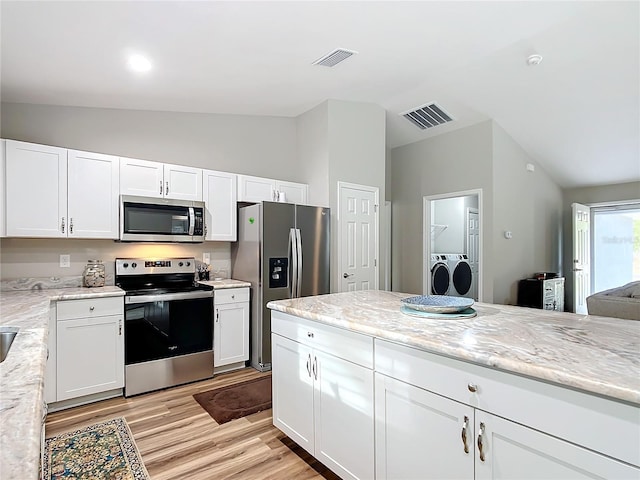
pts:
[179, 440]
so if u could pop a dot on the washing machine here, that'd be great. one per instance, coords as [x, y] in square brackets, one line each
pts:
[440, 275]
[461, 274]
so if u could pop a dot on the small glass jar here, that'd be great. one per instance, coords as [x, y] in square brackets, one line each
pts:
[94, 274]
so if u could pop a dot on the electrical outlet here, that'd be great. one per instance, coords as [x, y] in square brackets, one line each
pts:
[206, 258]
[65, 261]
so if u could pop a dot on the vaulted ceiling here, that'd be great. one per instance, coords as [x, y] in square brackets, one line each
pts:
[577, 113]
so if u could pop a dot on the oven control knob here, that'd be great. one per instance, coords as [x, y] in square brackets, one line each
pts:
[125, 265]
[188, 264]
[134, 265]
[180, 264]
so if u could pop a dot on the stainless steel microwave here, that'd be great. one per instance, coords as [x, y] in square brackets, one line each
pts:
[147, 219]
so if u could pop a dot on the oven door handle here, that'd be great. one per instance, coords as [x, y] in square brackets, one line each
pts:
[165, 297]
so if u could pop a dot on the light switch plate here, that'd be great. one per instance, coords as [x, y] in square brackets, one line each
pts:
[206, 258]
[65, 261]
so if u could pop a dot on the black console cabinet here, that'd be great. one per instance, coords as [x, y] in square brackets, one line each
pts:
[544, 294]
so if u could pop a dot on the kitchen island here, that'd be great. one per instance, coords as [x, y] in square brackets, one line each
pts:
[558, 374]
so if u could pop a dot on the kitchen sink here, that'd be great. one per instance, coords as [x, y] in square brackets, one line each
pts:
[7, 334]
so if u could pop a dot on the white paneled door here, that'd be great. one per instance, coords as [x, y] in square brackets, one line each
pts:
[358, 237]
[581, 257]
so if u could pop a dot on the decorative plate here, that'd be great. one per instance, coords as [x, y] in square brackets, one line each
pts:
[466, 313]
[437, 303]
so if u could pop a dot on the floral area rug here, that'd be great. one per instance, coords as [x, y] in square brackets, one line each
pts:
[102, 451]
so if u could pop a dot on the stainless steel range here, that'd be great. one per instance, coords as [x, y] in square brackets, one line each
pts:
[168, 323]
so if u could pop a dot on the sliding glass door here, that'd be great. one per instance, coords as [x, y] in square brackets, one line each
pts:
[615, 245]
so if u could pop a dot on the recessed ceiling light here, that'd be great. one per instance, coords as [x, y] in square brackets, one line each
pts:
[534, 59]
[139, 63]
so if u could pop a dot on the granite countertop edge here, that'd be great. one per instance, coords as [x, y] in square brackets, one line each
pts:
[331, 310]
[22, 374]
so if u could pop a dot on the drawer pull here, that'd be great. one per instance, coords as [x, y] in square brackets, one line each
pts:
[481, 442]
[473, 388]
[310, 334]
[465, 426]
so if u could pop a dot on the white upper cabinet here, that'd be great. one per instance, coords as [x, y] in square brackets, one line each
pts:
[93, 191]
[141, 177]
[36, 181]
[219, 193]
[154, 179]
[55, 192]
[291, 192]
[258, 189]
[182, 183]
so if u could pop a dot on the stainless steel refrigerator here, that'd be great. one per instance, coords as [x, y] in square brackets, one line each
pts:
[283, 250]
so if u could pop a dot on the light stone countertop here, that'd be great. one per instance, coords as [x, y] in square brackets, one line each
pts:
[225, 283]
[599, 355]
[22, 374]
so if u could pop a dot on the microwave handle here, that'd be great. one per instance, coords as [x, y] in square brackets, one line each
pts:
[192, 220]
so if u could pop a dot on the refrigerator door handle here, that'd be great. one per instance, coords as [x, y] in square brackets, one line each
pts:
[299, 274]
[293, 257]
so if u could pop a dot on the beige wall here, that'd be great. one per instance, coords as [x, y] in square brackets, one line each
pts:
[528, 204]
[452, 162]
[587, 196]
[30, 257]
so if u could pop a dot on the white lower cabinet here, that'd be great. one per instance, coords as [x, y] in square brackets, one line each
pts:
[89, 347]
[231, 328]
[323, 393]
[422, 434]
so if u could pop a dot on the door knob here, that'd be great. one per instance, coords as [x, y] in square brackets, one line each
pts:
[347, 275]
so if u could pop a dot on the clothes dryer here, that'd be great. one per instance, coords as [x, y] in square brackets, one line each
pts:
[461, 274]
[440, 275]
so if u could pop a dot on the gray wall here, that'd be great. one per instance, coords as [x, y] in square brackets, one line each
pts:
[343, 142]
[452, 162]
[484, 157]
[587, 196]
[262, 146]
[313, 152]
[529, 204]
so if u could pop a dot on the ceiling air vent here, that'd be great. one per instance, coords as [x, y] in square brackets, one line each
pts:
[333, 58]
[427, 116]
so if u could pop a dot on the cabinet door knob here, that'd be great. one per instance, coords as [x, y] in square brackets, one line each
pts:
[92, 308]
[310, 334]
[160, 187]
[315, 368]
[309, 365]
[473, 388]
[166, 190]
[62, 225]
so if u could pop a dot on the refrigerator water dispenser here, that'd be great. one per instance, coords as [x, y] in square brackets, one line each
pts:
[278, 272]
